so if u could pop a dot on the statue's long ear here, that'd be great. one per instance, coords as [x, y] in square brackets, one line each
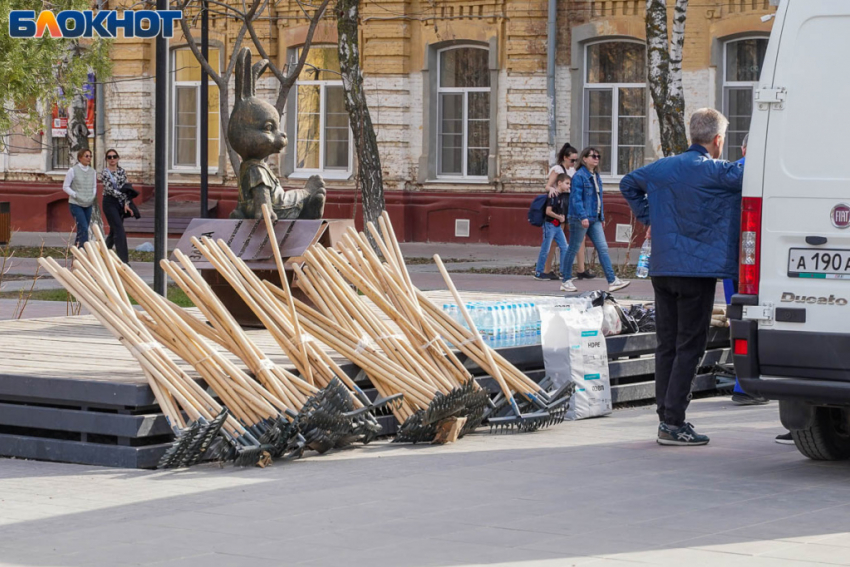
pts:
[258, 69]
[244, 79]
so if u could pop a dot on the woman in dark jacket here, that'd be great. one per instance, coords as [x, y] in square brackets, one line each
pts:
[116, 203]
[586, 217]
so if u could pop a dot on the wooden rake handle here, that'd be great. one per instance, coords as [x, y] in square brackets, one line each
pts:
[493, 368]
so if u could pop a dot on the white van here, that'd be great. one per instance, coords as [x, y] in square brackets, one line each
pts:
[791, 317]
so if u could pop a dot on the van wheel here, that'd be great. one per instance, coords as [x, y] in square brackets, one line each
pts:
[828, 438]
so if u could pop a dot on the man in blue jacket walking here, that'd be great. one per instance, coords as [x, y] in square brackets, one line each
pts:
[692, 205]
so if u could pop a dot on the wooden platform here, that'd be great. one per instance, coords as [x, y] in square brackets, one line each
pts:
[70, 392]
[180, 214]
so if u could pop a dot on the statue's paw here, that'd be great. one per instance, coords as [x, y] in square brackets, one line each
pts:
[237, 214]
[315, 185]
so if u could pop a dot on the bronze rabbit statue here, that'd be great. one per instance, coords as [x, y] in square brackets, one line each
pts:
[254, 132]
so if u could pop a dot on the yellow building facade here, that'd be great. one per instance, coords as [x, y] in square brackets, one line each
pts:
[460, 93]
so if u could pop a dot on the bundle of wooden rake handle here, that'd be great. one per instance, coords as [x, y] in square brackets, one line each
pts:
[274, 414]
[268, 411]
[417, 360]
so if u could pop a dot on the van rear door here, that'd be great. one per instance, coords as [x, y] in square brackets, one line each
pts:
[805, 231]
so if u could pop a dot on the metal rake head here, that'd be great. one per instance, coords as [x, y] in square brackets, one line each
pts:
[328, 419]
[205, 436]
[178, 450]
[414, 430]
[466, 400]
[281, 435]
[251, 456]
[386, 405]
[523, 423]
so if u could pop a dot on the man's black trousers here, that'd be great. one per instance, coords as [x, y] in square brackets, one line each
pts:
[114, 213]
[682, 315]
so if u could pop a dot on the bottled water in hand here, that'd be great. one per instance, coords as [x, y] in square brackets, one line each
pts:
[643, 260]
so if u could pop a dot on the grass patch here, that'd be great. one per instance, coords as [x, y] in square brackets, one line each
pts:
[174, 293]
[423, 261]
[38, 295]
[59, 253]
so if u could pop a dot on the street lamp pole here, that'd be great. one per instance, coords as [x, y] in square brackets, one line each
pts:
[160, 159]
[205, 51]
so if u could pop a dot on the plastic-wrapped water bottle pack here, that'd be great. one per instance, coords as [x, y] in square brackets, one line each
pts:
[503, 323]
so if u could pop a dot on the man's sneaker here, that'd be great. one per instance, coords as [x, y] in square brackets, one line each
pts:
[618, 284]
[684, 435]
[785, 439]
[553, 275]
[585, 275]
[543, 277]
[568, 286]
[743, 399]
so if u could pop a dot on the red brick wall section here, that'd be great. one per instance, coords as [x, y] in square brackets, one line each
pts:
[495, 218]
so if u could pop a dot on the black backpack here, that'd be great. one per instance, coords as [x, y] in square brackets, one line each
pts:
[537, 210]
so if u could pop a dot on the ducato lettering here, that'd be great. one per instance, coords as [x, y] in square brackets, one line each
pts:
[788, 297]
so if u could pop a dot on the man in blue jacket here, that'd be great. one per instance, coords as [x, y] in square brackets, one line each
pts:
[692, 205]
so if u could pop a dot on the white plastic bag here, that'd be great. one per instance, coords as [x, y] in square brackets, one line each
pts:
[611, 322]
[574, 350]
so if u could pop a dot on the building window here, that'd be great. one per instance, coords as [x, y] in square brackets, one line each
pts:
[322, 133]
[615, 104]
[743, 60]
[60, 153]
[463, 113]
[185, 120]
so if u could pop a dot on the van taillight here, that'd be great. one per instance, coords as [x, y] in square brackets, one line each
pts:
[748, 277]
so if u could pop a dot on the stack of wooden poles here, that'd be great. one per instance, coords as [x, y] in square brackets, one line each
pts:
[194, 415]
[261, 410]
[435, 383]
[268, 414]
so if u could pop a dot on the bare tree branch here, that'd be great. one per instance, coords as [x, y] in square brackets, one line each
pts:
[286, 81]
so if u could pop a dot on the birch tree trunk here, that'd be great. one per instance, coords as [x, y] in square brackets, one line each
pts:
[665, 72]
[369, 175]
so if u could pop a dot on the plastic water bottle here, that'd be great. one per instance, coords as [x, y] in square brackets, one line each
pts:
[522, 324]
[487, 325]
[643, 260]
[527, 322]
[516, 317]
[536, 323]
[500, 330]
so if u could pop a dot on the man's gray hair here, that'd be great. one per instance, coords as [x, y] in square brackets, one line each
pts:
[706, 123]
[746, 139]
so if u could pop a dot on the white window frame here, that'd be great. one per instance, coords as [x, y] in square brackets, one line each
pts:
[728, 85]
[305, 172]
[615, 101]
[174, 167]
[465, 146]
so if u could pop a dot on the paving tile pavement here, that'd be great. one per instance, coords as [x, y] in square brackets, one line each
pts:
[597, 492]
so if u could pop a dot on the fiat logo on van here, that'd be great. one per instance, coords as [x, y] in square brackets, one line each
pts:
[840, 215]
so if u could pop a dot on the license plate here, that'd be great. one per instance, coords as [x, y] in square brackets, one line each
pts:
[818, 263]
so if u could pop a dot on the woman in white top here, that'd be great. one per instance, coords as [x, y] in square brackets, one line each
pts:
[567, 158]
[81, 187]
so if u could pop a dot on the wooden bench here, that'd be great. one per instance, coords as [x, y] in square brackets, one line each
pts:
[180, 214]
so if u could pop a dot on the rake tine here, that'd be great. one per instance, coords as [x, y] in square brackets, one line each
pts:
[250, 456]
[178, 449]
